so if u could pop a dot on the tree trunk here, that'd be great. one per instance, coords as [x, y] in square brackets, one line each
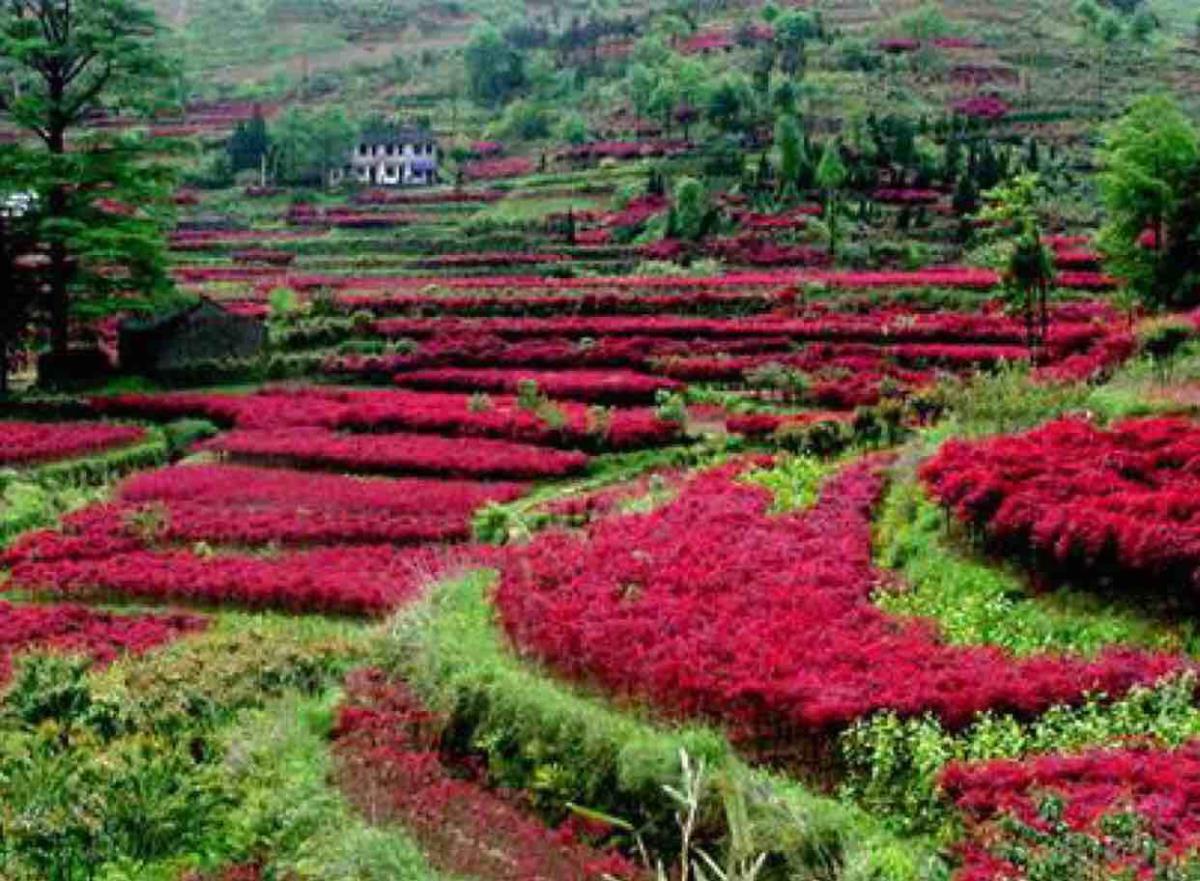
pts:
[60, 270]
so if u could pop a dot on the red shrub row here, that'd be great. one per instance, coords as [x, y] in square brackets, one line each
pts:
[495, 169]
[712, 607]
[399, 410]
[390, 764]
[489, 258]
[907, 196]
[752, 250]
[883, 325]
[795, 218]
[625, 149]
[982, 107]
[366, 580]
[1081, 280]
[24, 443]
[237, 505]
[1160, 787]
[263, 255]
[397, 453]
[77, 630]
[208, 239]
[949, 277]
[483, 350]
[1088, 502]
[393, 197]
[588, 303]
[592, 386]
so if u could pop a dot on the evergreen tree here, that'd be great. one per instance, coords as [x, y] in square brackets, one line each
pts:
[690, 209]
[102, 199]
[831, 176]
[249, 143]
[1013, 211]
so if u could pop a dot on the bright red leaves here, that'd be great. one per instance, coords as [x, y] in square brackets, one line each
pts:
[76, 630]
[711, 607]
[1084, 502]
[24, 443]
[390, 764]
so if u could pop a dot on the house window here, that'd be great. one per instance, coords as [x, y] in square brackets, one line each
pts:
[362, 149]
[391, 149]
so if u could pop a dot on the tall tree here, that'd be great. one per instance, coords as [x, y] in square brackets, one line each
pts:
[831, 176]
[249, 144]
[495, 70]
[690, 209]
[790, 155]
[70, 59]
[730, 103]
[1013, 212]
[1149, 158]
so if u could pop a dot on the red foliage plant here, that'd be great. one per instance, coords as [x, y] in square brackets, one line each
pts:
[232, 504]
[596, 386]
[712, 607]
[494, 169]
[366, 580]
[25, 443]
[1088, 503]
[70, 629]
[1160, 787]
[390, 764]
[319, 448]
[500, 416]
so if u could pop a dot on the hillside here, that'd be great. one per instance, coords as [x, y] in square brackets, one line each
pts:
[472, 440]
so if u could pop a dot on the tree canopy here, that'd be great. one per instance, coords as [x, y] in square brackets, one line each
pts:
[1149, 163]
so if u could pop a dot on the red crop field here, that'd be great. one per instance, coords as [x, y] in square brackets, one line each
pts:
[498, 441]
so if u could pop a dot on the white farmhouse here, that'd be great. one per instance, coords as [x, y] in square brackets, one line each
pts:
[391, 156]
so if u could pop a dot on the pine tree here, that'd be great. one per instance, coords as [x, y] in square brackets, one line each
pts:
[101, 214]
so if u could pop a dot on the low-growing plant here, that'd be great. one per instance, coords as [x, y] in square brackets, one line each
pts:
[892, 764]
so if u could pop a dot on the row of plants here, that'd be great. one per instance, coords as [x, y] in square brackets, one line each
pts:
[231, 505]
[605, 607]
[1117, 506]
[337, 579]
[610, 387]
[527, 417]
[398, 453]
[1071, 327]
[29, 443]
[78, 630]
